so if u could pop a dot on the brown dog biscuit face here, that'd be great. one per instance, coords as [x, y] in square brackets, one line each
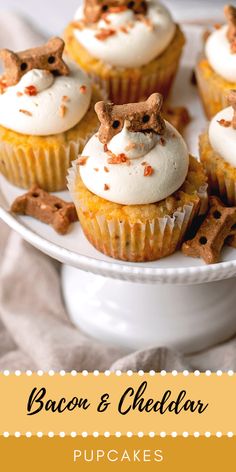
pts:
[230, 13]
[143, 116]
[46, 208]
[47, 57]
[219, 225]
[95, 9]
[232, 102]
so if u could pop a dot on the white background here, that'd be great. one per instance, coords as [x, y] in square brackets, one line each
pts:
[51, 16]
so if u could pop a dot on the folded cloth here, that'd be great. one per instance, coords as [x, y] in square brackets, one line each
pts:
[35, 331]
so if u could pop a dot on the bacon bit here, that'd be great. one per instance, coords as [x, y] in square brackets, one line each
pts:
[124, 29]
[103, 34]
[19, 94]
[31, 90]
[120, 159]
[26, 112]
[106, 169]
[3, 86]
[82, 160]
[146, 21]
[224, 123]
[144, 163]
[217, 26]
[148, 170]
[65, 98]
[117, 9]
[96, 169]
[106, 187]
[83, 89]
[162, 141]
[105, 148]
[62, 111]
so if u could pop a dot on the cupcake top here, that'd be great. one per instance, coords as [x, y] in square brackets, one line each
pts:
[124, 33]
[40, 94]
[222, 131]
[137, 157]
[221, 47]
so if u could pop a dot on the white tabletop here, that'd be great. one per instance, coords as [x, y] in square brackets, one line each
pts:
[52, 16]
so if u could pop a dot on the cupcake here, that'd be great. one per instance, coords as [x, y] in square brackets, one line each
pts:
[216, 71]
[130, 48]
[135, 188]
[217, 152]
[46, 116]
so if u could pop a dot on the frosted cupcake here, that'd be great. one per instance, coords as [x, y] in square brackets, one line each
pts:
[135, 187]
[216, 72]
[46, 116]
[217, 152]
[131, 48]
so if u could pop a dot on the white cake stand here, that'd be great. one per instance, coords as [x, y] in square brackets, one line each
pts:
[177, 302]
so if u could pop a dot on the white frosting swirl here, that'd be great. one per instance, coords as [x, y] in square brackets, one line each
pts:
[125, 183]
[133, 145]
[59, 103]
[219, 55]
[222, 138]
[135, 48]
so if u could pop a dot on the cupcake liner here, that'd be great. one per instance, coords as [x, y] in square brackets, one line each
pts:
[212, 88]
[135, 242]
[134, 84]
[221, 175]
[44, 160]
[134, 89]
[47, 168]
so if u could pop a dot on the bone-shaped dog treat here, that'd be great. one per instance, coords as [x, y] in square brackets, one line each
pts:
[47, 57]
[142, 116]
[232, 102]
[219, 225]
[46, 208]
[230, 13]
[94, 9]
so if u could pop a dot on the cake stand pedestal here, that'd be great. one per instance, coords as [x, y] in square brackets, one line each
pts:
[134, 316]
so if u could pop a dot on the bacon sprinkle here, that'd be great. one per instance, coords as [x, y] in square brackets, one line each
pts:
[31, 90]
[162, 141]
[82, 160]
[120, 159]
[83, 89]
[103, 34]
[62, 111]
[148, 170]
[19, 94]
[106, 169]
[26, 112]
[106, 187]
[224, 123]
[3, 86]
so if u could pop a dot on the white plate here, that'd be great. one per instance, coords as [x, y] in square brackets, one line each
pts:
[74, 249]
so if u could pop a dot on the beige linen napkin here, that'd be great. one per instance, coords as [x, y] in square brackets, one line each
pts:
[35, 332]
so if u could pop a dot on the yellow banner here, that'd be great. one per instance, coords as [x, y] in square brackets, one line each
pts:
[111, 454]
[109, 404]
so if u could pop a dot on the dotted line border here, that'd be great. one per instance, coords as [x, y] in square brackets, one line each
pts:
[118, 373]
[117, 434]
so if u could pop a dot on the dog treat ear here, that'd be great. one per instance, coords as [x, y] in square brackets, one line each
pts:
[232, 102]
[230, 13]
[94, 9]
[142, 116]
[47, 57]
[218, 227]
[46, 208]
